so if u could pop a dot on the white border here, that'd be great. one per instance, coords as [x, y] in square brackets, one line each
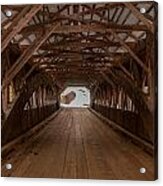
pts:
[70, 182]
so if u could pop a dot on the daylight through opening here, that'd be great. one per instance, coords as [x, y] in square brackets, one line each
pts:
[78, 96]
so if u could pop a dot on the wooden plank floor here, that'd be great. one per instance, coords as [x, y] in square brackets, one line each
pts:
[76, 144]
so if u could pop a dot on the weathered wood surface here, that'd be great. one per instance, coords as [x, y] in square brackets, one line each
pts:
[18, 23]
[26, 55]
[77, 144]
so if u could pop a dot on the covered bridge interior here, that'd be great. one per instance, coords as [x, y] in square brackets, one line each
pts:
[108, 48]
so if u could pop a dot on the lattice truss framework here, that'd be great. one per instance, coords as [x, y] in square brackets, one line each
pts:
[83, 43]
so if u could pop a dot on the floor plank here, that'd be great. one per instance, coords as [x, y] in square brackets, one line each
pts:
[77, 144]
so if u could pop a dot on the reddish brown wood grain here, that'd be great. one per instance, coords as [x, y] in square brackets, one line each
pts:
[76, 144]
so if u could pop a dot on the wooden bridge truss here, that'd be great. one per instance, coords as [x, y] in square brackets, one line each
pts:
[110, 48]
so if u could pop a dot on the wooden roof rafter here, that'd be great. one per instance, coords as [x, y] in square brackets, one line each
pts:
[96, 27]
[140, 16]
[139, 61]
[26, 55]
[19, 22]
[80, 40]
[124, 21]
[77, 46]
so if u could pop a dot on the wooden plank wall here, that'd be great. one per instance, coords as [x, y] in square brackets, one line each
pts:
[27, 100]
[115, 104]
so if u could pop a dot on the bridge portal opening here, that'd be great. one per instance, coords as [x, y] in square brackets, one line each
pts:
[75, 96]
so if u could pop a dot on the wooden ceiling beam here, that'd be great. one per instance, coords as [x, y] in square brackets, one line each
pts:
[19, 22]
[140, 16]
[13, 7]
[74, 70]
[53, 14]
[129, 33]
[77, 67]
[78, 45]
[134, 56]
[67, 29]
[26, 55]
[76, 55]
[72, 65]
